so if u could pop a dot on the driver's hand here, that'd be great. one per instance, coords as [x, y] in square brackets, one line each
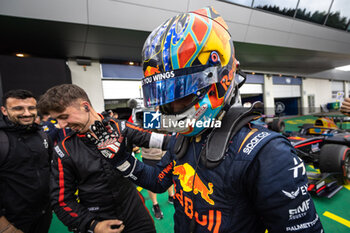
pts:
[345, 107]
[108, 141]
[112, 146]
[109, 226]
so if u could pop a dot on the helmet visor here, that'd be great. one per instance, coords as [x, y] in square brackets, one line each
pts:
[163, 88]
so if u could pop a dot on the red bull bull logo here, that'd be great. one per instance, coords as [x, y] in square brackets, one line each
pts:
[150, 70]
[211, 219]
[187, 177]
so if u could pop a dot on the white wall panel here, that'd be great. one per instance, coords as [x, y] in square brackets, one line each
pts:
[269, 102]
[230, 12]
[320, 88]
[129, 15]
[178, 5]
[286, 91]
[63, 10]
[313, 30]
[251, 89]
[271, 21]
[315, 43]
[120, 89]
[337, 86]
[266, 36]
[238, 32]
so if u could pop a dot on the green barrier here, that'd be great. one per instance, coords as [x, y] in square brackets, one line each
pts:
[333, 105]
[293, 124]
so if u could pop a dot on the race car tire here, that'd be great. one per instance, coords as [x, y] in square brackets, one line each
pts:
[346, 169]
[336, 158]
[277, 125]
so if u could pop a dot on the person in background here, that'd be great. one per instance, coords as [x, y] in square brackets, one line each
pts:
[38, 119]
[108, 202]
[345, 106]
[24, 167]
[115, 115]
[110, 113]
[104, 114]
[151, 156]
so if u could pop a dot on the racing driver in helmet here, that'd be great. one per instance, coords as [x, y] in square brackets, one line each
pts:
[233, 177]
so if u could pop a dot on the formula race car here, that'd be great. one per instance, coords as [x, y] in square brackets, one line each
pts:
[326, 147]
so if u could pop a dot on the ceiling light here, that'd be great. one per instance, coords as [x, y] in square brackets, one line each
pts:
[19, 54]
[343, 68]
[131, 63]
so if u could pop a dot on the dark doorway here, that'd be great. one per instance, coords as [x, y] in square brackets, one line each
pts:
[287, 106]
[33, 74]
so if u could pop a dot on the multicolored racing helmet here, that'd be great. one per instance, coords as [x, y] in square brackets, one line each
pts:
[189, 58]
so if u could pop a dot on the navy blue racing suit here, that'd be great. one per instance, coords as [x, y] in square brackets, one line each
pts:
[56, 134]
[260, 184]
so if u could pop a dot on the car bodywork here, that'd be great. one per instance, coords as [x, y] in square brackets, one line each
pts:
[326, 147]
